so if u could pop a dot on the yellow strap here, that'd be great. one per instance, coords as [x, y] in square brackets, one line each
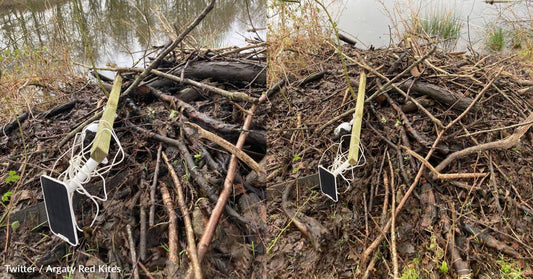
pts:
[353, 153]
[100, 147]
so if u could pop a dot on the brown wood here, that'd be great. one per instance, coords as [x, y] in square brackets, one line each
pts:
[456, 100]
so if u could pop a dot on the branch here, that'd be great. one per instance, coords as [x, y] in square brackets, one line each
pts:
[171, 47]
[191, 244]
[172, 224]
[506, 143]
[228, 146]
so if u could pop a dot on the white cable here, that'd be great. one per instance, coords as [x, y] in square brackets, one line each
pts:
[79, 158]
[339, 166]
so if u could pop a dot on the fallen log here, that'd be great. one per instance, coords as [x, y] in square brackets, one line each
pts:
[455, 100]
[14, 123]
[221, 71]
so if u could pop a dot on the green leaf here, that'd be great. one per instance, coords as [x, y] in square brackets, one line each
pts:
[6, 196]
[296, 158]
[444, 267]
[15, 225]
[173, 113]
[12, 177]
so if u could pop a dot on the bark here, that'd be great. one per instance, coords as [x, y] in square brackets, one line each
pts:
[456, 100]
[222, 71]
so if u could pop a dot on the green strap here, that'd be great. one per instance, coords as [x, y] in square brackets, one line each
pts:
[100, 147]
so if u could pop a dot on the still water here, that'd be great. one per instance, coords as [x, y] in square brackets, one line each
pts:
[376, 23]
[120, 31]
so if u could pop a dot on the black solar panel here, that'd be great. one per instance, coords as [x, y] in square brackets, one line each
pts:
[328, 183]
[59, 209]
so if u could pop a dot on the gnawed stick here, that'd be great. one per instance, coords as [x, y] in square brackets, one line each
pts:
[462, 267]
[489, 240]
[191, 243]
[228, 185]
[151, 215]
[172, 224]
[142, 237]
[208, 189]
[228, 146]
[506, 143]
[132, 252]
[442, 176]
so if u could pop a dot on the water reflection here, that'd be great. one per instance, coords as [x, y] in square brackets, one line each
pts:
[116, 31]
[376, 22]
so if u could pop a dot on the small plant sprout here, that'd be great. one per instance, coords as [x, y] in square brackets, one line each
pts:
[173, 114]
[197, 157]
[12, 177]
[296, 158]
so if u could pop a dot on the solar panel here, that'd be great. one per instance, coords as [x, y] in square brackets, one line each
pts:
[328, 183]
[59, 210]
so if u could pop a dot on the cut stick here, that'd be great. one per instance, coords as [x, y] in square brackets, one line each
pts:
[210, 228]
[228, 146]
[151, 214]
[353, 153]
[191, 244]
[132, 252]
[172, 224]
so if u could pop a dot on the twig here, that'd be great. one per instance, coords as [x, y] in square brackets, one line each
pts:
[393, 220]
[228, 146]
[375, 72]
[389, 83]
[495, 129]
[151, 216]
[211, 194]
[506, 143]
[442, 176]
[171, 47]
[192, 112]
[132, 252]
[172, 224]
[237, 50]
[146, 271]
[191, 244]
[142, 237]
[234, 96]
[228, 184]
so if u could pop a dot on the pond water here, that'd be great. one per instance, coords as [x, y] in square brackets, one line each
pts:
[375, 22]
[119, 31]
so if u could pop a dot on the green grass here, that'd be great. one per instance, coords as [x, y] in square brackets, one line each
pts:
[495, 41]
[440, 25]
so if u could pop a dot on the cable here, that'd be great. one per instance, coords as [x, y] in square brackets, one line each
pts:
[79, 155]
